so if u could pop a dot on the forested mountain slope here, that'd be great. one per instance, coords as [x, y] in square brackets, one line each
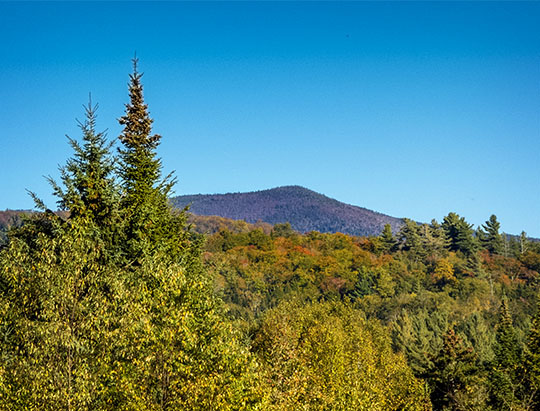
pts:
[304, 209]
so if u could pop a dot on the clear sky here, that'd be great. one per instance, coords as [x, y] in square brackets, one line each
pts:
[410, 109]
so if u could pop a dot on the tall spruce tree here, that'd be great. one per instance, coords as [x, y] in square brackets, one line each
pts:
[89, 192]
[179, 351]
[150, 220]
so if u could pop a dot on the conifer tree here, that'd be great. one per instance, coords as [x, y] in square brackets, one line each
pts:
[144, 332]
[388, 243]
[87, 177]
[89, 193]
[459, 234]
[505, 378]
[178, 351]
[409, 238]
[490, 237]
[532, 359]
[453, 375]
[150, 220]
[433, 238]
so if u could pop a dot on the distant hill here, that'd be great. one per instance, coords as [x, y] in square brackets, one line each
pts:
[304, 209]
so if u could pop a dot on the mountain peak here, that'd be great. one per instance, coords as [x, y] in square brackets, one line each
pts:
[305, 209]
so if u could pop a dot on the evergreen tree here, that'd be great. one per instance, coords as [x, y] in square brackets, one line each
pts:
[388, 243]
[419, 336]
[453, 376]
[409, 238]
[89, 193]
[433, 238]
[283, 230]
[505, 378]
[459, 234]
[89, 186]
[532, 360]
[150, 220]
[490, 238]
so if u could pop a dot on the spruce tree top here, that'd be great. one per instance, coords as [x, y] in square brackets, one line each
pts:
[137, 122]
[140, 167]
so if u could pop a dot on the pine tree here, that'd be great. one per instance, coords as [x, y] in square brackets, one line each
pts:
[459, 234]
[433, 238]
[409, 238]
[491, 238]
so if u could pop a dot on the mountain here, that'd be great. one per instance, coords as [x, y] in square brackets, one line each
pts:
[304, 209]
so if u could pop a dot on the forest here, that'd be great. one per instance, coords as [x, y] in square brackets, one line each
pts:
[119, 302]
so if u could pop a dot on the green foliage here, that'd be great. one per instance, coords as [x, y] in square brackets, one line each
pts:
[532, 359]
[454, 378]
[327, 356]
[110, 307]
[87, 177]
[434, 239]
[459, 234]
[417, 294]
[419, 337]
[388, 242]
[283, 230]
[175, 350]
[490, 237]
[505, 374]
[409, 237]
[149, 219]
[56, 320]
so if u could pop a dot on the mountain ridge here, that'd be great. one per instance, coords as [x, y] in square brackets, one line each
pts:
[305, 209]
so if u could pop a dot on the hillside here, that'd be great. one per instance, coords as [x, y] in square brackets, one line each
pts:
[304, 209]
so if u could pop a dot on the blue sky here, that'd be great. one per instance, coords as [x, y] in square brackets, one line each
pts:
[411, 109]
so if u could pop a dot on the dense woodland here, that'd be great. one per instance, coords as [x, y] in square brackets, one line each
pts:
[118, 303]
